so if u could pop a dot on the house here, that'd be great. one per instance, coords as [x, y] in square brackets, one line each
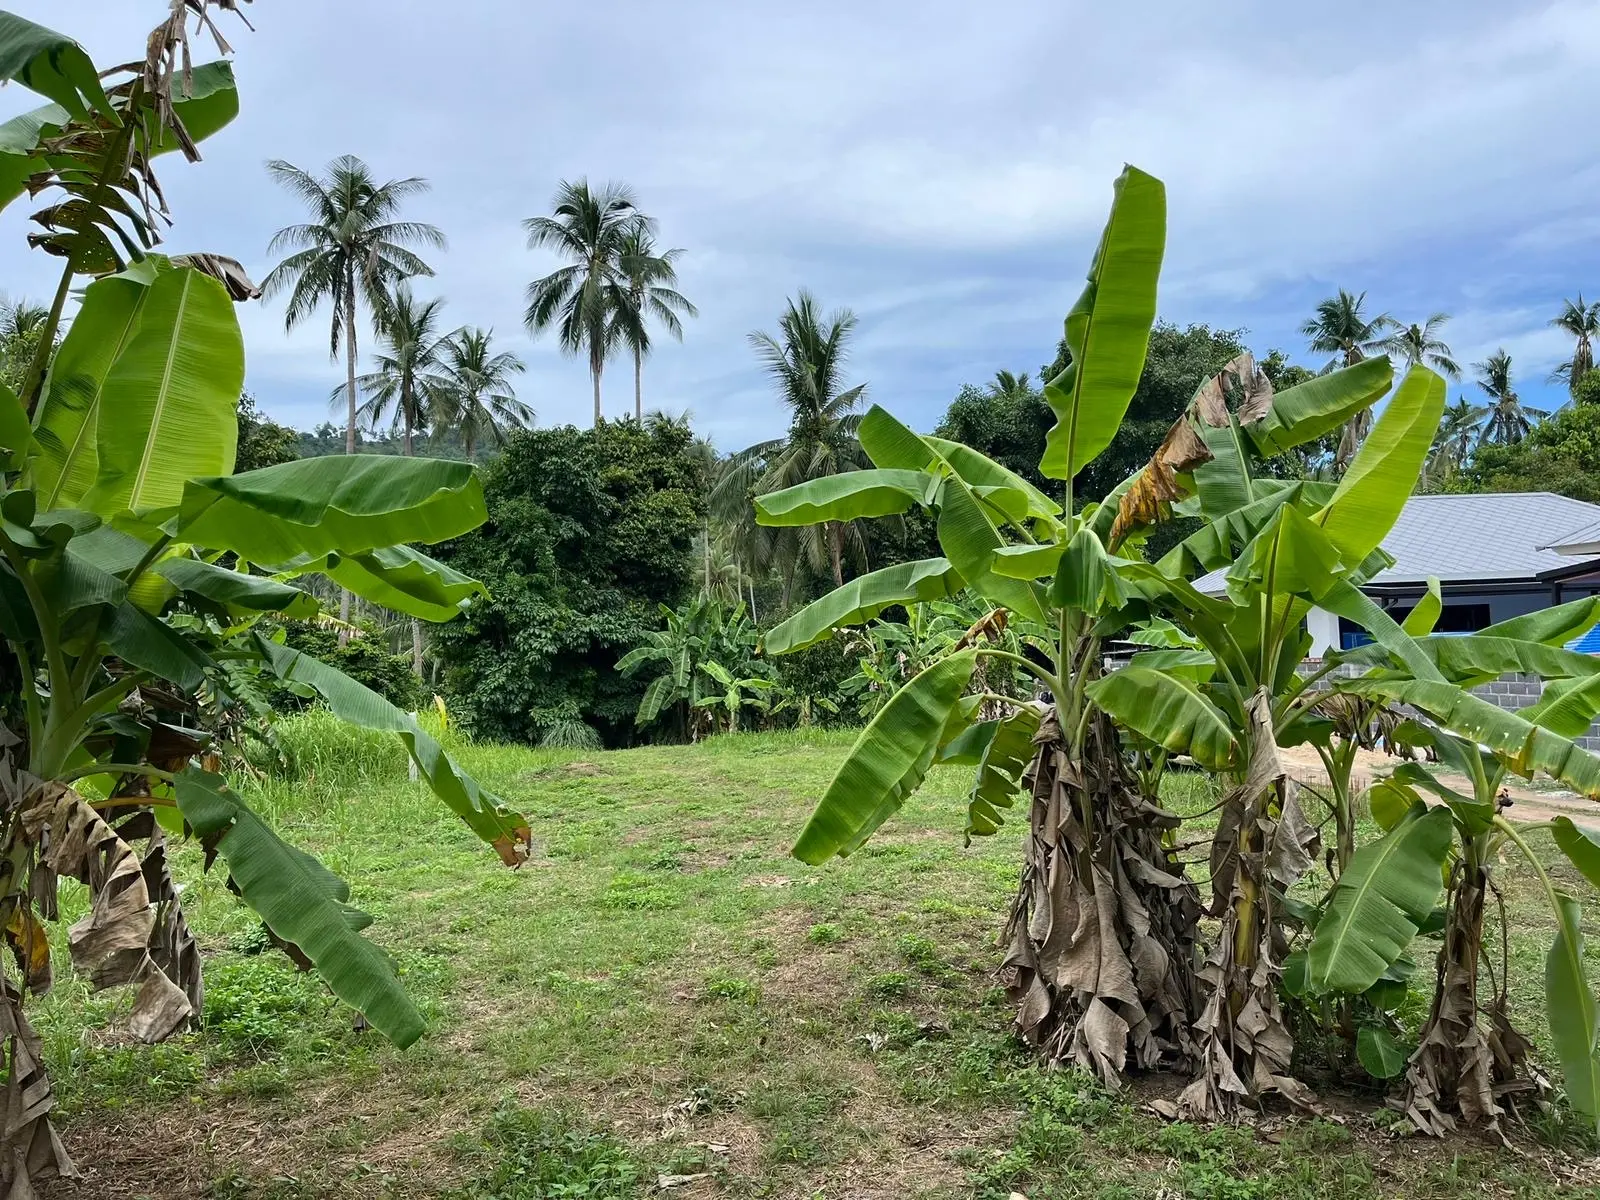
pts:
[1496, 556]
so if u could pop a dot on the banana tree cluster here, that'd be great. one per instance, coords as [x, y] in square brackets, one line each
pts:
[139, 578]
[1107, 957]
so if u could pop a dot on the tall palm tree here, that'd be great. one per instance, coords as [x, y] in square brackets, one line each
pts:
[1508, 418]
[1460, 424]
[806, 362]
[353, 250]
[477, 389]
[408, 386]
[22, 326]
[1416, 345]
[1582, 321]
[589, 299]
[1007, 384]
[1341, 328]
[651, 278]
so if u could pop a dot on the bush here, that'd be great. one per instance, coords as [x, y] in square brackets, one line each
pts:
[365, 657]
[589, 532]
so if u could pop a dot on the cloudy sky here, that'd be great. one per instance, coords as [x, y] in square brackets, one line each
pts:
[942, 168]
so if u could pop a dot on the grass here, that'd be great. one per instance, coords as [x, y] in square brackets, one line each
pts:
[662, 991]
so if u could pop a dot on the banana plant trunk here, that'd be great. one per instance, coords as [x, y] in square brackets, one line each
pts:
[1262, 846]
[1102, 933]
[1461, 1069]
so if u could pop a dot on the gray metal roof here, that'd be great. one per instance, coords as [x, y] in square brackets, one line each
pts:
[1497, 536]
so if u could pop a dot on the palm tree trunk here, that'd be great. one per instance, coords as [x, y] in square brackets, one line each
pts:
[638, 387]
[836, 552]
[596, 365]
[416, 625]
[350, 418]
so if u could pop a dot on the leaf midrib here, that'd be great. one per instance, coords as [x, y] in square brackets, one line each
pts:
[162, 394]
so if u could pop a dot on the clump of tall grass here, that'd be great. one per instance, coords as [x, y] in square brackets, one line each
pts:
[317, 749]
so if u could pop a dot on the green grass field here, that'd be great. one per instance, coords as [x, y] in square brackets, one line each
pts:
[662, 991]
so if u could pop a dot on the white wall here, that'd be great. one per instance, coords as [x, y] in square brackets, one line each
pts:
[1324, 629]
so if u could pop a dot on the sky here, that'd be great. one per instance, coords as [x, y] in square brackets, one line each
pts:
[942, 169]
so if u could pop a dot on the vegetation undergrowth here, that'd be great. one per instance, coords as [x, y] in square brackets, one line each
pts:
[780, 1030]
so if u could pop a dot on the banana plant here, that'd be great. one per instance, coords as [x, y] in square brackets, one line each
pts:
[1235, 701]
[734, 694]
[1103, 933]
[699, 645]
[136, 571]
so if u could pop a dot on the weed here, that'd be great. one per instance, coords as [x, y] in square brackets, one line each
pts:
[533, 1154]
[823, 934]
[628, 890]
[726, 987]
[922, 953]
[889, 985]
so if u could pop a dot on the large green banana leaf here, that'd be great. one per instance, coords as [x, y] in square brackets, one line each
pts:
[1425, 614]
[1319, 406]
[1550, 626]
[406, 581]
[1218, 542]
[209, 104]
[235, 591]
[1581, 845]
[301, 901]
[1226, 483]
[66, 423]
[1382, 475]
[1568, 707]
[1344, 599]
[16, 431]
[848, 496]
[891, 445]
[1028, 560]
[149, 643]
[1084, 578]
[1108, 329]
[172, 396]
[981, 471]
[1478, 657]
[1379, 903]
[998, 778]
[1573, 1014]
[345, 504]
[1170, 711]
[888, 761]
[969, 540]
[1520, 744]
[863, 598]
[51, 64]
[484, 813]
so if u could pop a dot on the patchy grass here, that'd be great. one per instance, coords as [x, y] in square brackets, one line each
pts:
[664, 992]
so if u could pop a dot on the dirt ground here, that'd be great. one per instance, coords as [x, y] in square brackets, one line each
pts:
[1529, 801]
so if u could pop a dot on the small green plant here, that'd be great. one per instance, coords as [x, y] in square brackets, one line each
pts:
[889, 985]
[823, 934]
[533, 1154]
[638, 893]
[727, 987]
[922, 953]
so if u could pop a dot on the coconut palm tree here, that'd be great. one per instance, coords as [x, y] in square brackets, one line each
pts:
[651, 277]
[352, 251]
[589, 299]
[805, 360]
[1461, 423]
[408, 386]
[1415, 345]
[478, 395]
[22, 326]
[1341, 328]
[1582, 321]
[1508, 418]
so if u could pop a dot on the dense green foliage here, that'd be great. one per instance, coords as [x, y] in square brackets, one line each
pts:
[262, 441]
[1560, 454]
[589, 532]
[364, 657]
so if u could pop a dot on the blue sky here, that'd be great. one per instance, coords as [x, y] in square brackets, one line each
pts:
[941, 168]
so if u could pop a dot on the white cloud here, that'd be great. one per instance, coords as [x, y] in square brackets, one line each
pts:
[942, 171]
